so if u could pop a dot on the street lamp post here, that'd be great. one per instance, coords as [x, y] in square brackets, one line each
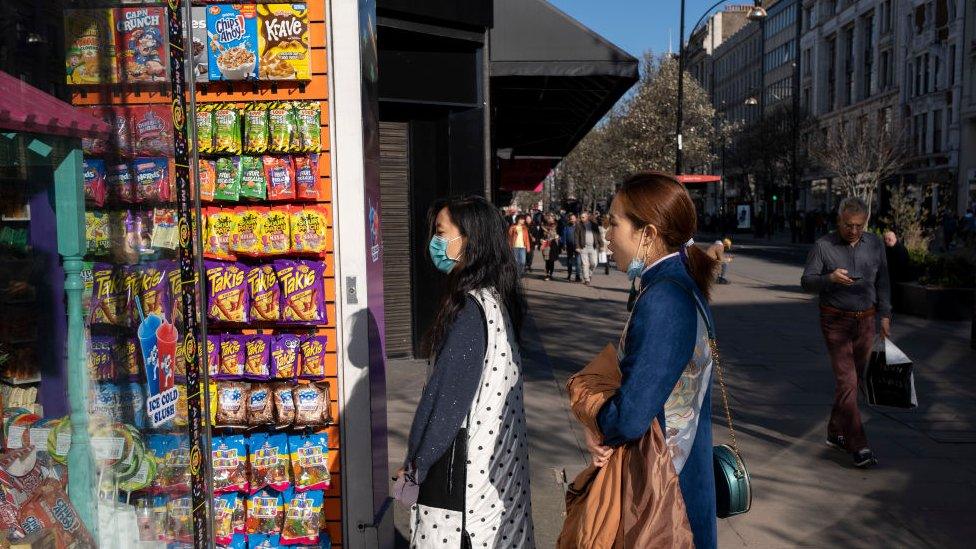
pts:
[757, 13]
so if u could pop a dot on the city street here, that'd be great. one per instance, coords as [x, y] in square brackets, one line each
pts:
[922, 493]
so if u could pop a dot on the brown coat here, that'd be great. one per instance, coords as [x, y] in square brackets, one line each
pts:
[633, 501]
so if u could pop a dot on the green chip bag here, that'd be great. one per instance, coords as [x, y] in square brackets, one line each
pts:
[205, 129]
[227, 129]
[256, 134]
[253, 183]
[283, 126]
[308, 115]
[228, 182]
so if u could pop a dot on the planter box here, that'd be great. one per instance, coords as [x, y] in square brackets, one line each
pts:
[933, 302]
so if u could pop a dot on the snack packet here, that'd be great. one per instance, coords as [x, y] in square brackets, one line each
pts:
[182, 409]
[257, 361]
[280, 174]
[213, 354]
[254, 183]
[269, 462]
[263, 541]
[285, 356]
[120, 182]
[95, 189]
[282, 126]
[303, 518]
[165, 233]
[48, 507]
[233, 42]
[303, 291]
[106, 401]
[227, 129]
[246, 239]
[275, 231]
[237, 541]
[256, 132]
[101, 358]
[310, 405]
[265, 294]
[307, 176]
[313, 357]
[179, 525]
[130, 359]
[265, 512]
[309, 229]
[309, 462]
[107, 295]
[284, 401]
[97, 233]
[232, 403]
[221, 227]
[154, 289]
[233, 354]
[240, 516]
[207, 174]
[205, 128]
[308, 116]
[227, 292]
[152, 179]
[229, 460]
[223, 521]
[260, 405]
[152, 130]
[121, 139]
[228, 179]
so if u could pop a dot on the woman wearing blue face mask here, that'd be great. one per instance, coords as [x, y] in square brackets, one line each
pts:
[466, 473]
[664, 355]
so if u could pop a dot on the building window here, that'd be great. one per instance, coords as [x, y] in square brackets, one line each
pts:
[868, 55]
[926, 77]
[923, 134]
[951, 76]
[937, 131]
[886, 17]
[806, 62]
[884, 80]
[831, 74]
[849, 65]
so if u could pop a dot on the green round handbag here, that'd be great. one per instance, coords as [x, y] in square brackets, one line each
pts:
[733, 492]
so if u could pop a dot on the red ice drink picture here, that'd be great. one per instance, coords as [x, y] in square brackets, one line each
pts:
[166, 336]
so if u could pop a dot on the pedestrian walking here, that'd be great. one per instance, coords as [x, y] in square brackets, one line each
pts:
[719, 252]
[549, 243]
[533, 229]
[466, 473]
[664, 358]
[569, 243]
[607, 254]
[589, 244]
[521, 242]
[849, 270]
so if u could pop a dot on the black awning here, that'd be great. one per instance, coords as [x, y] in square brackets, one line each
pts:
[552, 79]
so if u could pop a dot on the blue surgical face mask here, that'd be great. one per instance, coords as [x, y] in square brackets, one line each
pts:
[636, 266]
[438, 253]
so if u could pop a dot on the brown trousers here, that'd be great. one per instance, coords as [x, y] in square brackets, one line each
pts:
[849, 342]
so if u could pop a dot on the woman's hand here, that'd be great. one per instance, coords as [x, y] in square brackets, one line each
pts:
[599, 453]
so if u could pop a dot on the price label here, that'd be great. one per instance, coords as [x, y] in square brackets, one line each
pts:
[107, 448]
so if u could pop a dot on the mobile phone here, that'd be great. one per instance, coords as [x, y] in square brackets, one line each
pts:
[855, 278]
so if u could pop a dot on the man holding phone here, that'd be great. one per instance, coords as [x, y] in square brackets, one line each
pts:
[849, 271]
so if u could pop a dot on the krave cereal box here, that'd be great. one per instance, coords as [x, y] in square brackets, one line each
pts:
[90, 41]
[201, 62]
[142, 40]
[283, 42]
[232, 32]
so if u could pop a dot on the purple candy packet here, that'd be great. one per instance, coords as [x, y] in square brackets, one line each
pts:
[302, 291]
[227, 295]
[101, 359]
[257, 360]
[232, 357]
[285, 356]
[213, 354]
[313, 357]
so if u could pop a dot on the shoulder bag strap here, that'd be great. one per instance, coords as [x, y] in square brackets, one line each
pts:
[713, 347]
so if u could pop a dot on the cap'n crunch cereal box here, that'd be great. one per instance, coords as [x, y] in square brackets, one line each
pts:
[232, 31]
[142, 41]
[283, 42]
[90, 41]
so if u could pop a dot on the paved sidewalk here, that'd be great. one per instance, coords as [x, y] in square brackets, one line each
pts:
[923, 493]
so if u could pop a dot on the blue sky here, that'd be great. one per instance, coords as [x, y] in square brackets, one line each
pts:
[636, 25]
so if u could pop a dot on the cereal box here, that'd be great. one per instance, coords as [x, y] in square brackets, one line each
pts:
[90, 40]
[232, 31]
[198, 45]
[142, 40]
[283, 42]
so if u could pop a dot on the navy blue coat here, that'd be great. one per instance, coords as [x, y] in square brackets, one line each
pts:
[660, 343]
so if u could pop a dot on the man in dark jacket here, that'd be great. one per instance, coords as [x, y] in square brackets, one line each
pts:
[589, 245]
[899, 264]
[569, 242]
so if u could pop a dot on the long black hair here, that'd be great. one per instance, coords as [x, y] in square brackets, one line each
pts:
[486, 261]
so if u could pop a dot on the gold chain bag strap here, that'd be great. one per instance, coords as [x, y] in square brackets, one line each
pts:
[733, 490]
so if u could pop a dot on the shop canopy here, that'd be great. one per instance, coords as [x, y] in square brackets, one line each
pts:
[24, 108]
[552, 79]
[695, 178]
